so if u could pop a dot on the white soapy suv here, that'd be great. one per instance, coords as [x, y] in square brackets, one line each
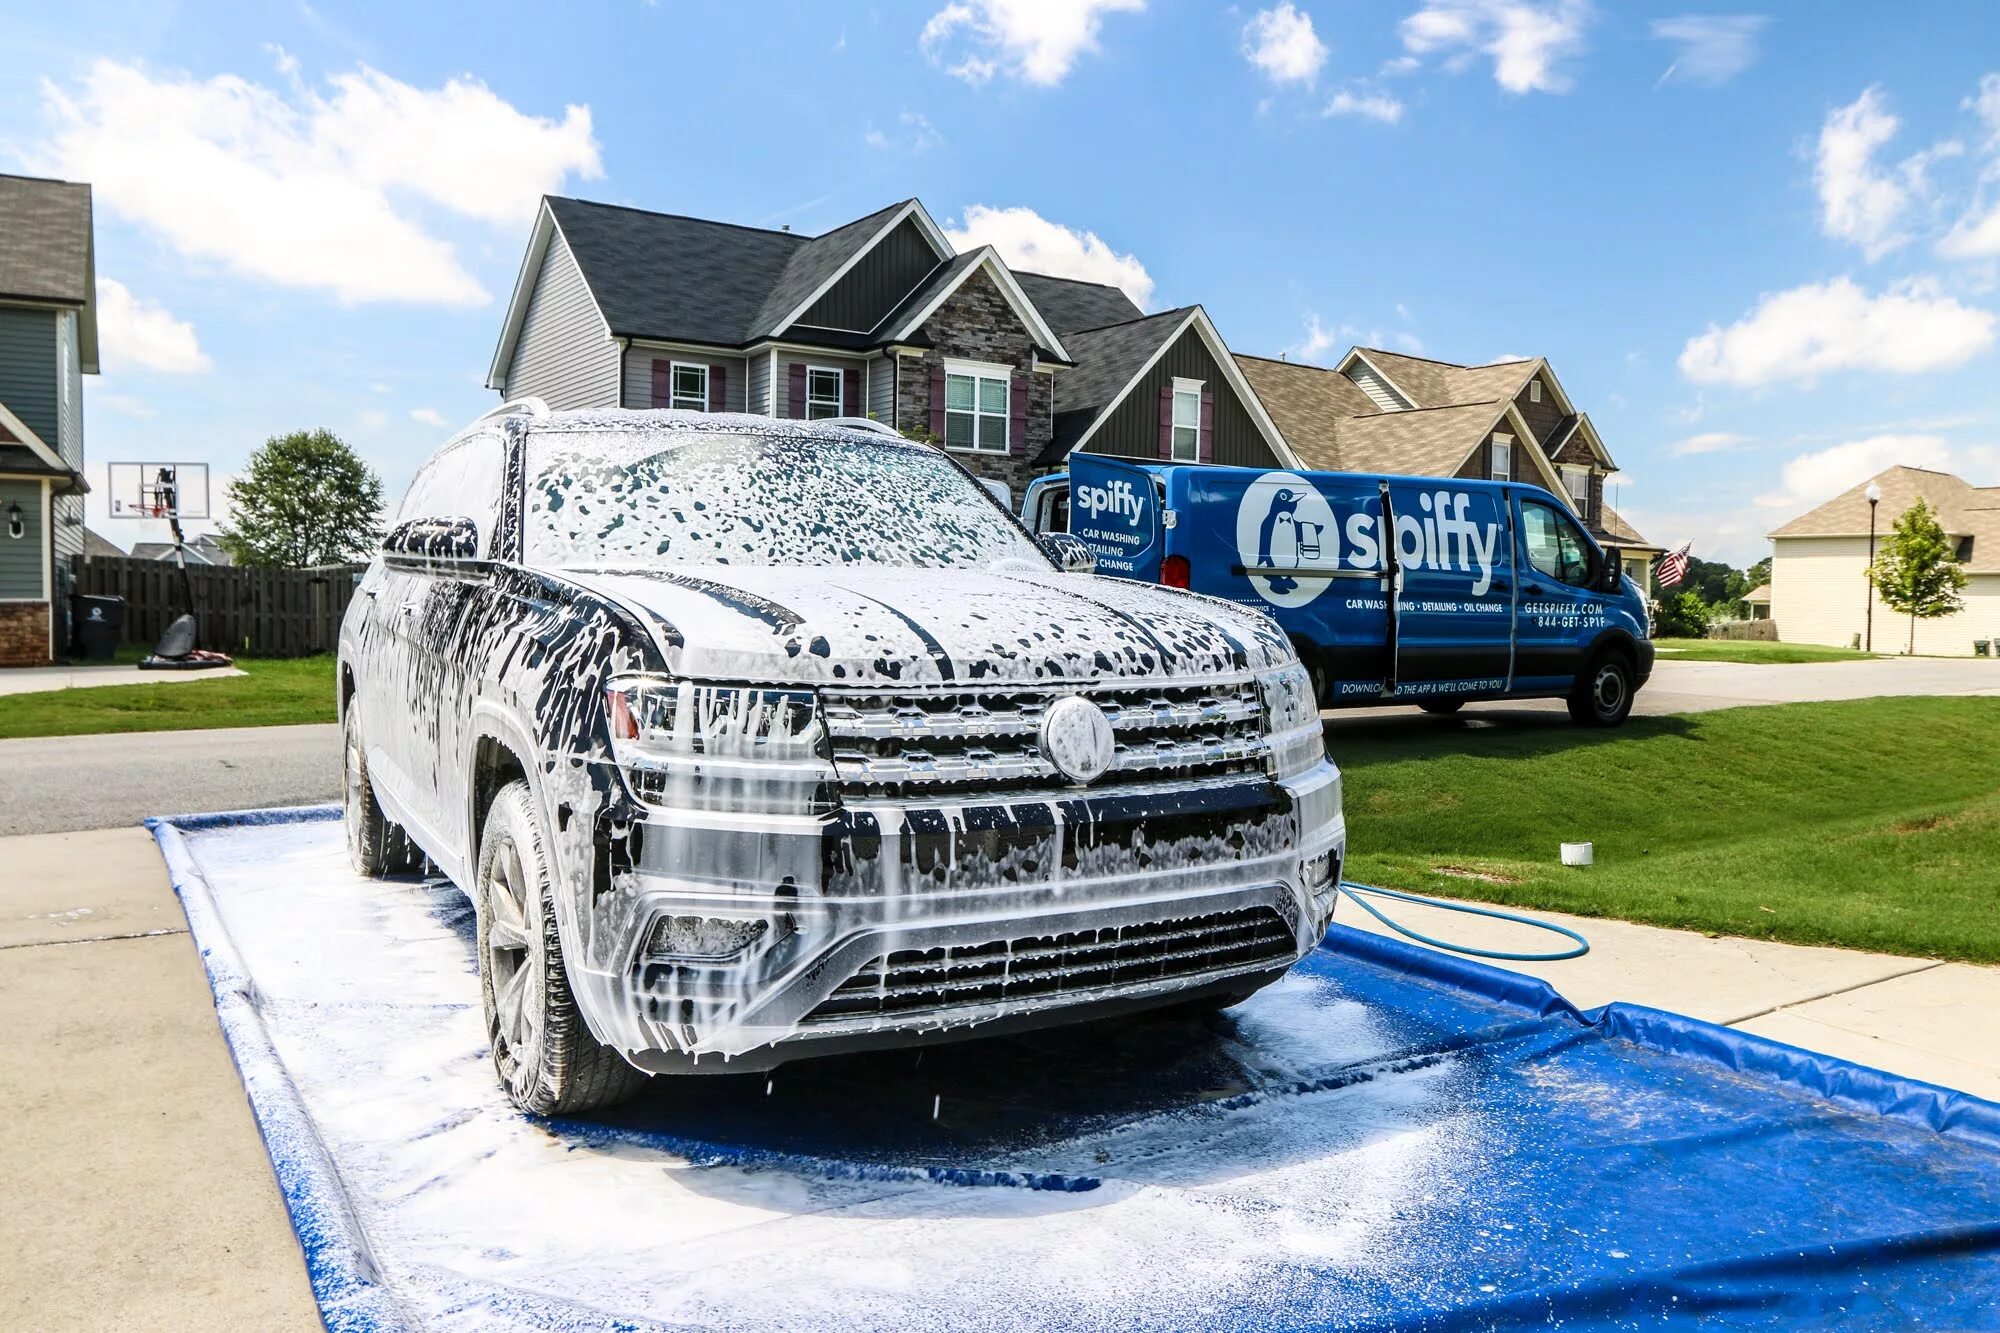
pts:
[756, 739]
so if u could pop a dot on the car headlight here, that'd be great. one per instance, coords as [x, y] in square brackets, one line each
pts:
[698, 746]
[1291, 716]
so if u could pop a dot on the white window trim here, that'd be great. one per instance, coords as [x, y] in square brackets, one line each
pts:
[1579, 503]
[1181, 386]
[1535, 389]
[674, 368]
[1493, 455]
[976, 371]
[839, 389]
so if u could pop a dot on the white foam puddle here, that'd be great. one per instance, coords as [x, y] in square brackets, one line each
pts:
[1256, 1196]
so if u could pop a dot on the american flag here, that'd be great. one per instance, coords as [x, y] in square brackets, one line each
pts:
[1674, 568]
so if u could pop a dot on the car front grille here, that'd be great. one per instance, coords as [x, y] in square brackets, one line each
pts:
[921, 982]
[889, 745]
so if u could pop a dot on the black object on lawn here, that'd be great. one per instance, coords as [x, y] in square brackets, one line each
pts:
[176, 651]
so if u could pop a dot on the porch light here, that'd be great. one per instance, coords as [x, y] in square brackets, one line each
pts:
[17, 526]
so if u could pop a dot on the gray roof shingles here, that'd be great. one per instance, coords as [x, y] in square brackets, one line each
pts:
[1106, 360]
[1071, 305]
[45, 240]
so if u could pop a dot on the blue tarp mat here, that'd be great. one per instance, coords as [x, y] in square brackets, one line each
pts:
[1389, 1138]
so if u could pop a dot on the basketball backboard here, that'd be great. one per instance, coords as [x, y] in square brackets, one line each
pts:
[159, 490]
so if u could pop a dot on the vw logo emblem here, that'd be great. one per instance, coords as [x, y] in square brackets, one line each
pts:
[1076, 738]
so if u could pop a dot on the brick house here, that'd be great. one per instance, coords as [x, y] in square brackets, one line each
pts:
[881, 318]
[48, 342]
[1380, 411]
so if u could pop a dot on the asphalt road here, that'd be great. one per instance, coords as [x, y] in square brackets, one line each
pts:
[92, 782]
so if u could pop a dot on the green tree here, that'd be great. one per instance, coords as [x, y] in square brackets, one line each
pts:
[1758, 574]
[305, 499]
[1681, 615]
[1914, 570]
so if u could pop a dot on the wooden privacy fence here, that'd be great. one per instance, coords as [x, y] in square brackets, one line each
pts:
[254, 612]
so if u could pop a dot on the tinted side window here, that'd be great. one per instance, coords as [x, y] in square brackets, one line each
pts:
[1553, 545]
[462, 482]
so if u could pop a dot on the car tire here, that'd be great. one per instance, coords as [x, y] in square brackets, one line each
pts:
[1603, 693]
[547, 1058]
[1442, 707]
[375, 847]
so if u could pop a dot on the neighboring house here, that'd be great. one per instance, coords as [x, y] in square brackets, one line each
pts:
[1819, 563]
[1758, 600]
[98, 547]
[48, 342]
[880, 318]
[202, 549]
[1378, 411]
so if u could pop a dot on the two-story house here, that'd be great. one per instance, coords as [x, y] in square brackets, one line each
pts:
[48, 342]
[881, 318]
[1380, 411]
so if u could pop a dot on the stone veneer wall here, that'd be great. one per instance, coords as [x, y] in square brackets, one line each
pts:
[24, 634]
[977, 324]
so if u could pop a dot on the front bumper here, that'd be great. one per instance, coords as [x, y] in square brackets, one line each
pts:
[888, 924]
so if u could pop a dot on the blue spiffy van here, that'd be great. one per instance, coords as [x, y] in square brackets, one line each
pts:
[1489, 590]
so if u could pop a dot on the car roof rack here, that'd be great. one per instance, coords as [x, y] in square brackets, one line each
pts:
[533, 407]
[861, 423]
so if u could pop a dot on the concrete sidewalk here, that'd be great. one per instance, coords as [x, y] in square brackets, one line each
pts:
[138, 1192]
[1917, 1017]
[33, 680]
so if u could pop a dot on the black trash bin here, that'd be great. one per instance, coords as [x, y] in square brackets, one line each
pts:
[99, 624]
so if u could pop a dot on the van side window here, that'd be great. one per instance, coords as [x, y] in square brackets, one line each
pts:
[462, 482]
[1553, 545]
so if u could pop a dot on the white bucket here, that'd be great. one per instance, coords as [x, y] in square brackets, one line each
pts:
[1577, 854]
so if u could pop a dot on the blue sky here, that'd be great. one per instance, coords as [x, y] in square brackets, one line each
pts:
[1760, 246]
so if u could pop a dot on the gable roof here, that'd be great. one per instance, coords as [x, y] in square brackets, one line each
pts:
[822, 261]
[1431, 383]
[1424, 441]
[1071, 305]
[1309, 402]
[1963, 510]
[48, 251]
[1760, 593]
[936, 289]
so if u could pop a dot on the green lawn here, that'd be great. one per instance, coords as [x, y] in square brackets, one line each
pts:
[273, 692]
[1750, 650]
[1873, 824]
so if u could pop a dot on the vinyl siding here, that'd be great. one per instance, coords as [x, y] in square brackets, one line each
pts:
[757, 382]
[69, 415]
[29, 384]
[1133, 428]
[1819, 595]
[1376, 388]
[563, 355]
[881, 381]
[638, 377]
[877, 283]
[786, 360]
[21, 557]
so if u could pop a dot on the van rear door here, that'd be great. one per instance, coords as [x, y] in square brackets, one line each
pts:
[1114, 507]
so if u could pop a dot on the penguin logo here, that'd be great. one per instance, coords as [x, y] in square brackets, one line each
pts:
[1282, 522]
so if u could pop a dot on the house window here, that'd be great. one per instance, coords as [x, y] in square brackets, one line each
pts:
[1187, 421]
[975, 409]
[1503, 458]
[1576, 480]
[689, 387]
[823, 389]
[1534, 391]
[1963, 555]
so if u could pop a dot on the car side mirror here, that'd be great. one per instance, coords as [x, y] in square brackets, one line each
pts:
[1614, 570]
[434, 538]
[1070, 553]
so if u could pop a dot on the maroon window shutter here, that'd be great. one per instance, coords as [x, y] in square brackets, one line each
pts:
[798, 391]
[850, 394]
[718, 388]
[1167, 421]
[937, 402]
[1207, 450]
[1017, 415]
[663, 383]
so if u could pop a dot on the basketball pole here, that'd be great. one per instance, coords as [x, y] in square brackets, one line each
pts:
[181, 559]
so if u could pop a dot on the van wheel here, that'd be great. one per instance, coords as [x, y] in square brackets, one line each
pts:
[546, 1055]
[375, 847]
[1442, 707]
[1603, 694]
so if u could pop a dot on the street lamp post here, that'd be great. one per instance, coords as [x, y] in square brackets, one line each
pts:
[1874, 494]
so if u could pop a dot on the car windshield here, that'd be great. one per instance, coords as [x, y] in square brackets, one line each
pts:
[694, 496]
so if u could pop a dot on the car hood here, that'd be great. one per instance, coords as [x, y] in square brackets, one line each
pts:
[874, 625]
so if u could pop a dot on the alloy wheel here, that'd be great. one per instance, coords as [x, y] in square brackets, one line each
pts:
[512, 960]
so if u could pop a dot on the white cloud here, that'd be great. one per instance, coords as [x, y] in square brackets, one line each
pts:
[1862, 203]
[1715, 48]
[1708, 442]
[429, 416]
[917, 135]
[1809, 331]
[1813, 478]
[135, 332]
[317, 185]
[1527, 39]
[1281, 42]
[126, 405]
[1369, 106]
[1036, 41]
[874, 138]
[374, 419]
[1977, 234]
[1986, 105]
[1316, 342]
[1026, 239]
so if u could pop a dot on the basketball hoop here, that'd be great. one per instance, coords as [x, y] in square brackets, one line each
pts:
[159, 490]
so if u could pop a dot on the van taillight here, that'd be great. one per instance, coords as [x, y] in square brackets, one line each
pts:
[1176, 573]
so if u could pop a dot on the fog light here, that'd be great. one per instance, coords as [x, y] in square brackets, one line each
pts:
[1318, 871]
[711, 939]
